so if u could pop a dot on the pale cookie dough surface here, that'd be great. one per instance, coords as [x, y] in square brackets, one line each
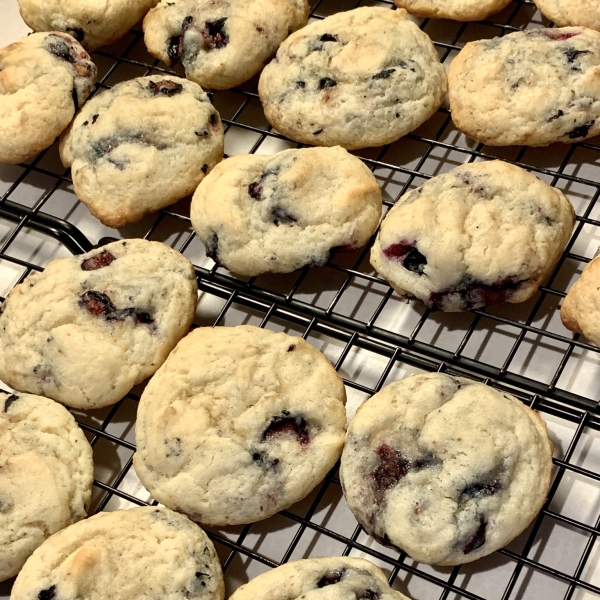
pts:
[459, 10]
[90, 327]
[565, 13]
[481, 234]
[147, 552]
[221, 44]
[258, 214]
[92, 23]
[446, 469]
[239, 423]
[44, 78]
[140, 146]
[360, 78]
[530, 87]
[580, 310]
[344, 577]
[46, 473]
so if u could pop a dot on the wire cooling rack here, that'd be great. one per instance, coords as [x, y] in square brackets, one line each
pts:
[369, 333]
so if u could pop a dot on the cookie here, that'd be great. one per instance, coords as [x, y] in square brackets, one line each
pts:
[446, 469]
[565, 13]
[221, 45]
[257, 214]
[481, 234]
[44, 78]
[344, 577]
[90, 327]
[458, 10]
[360, 78]
[146, 552]
[141, 146]
[46, 474]
[580, 310]
[529, 88]
[239, 423]
[94, 24]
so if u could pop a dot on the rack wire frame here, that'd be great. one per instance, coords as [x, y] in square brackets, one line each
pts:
[282, 305]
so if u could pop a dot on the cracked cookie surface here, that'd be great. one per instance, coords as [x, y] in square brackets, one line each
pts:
[258, 214]
[221, 45]
[239, 423]
[46, 473]
[529, 88]
[459, 10]
[482, 234]
[90, 327]
[444, 468]
[141, 146]
[148, 552]
[44, 78]
[565, 13]
[360, 78]
[345, 577]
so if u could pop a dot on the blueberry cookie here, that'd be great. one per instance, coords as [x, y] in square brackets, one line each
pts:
[141, 146]
[258, 214]
[239, 423]
[345, 577]
[46, 473]
[564, 13]
[221, 44]
[580, 310]
[446, 469]
[90, 327]
[482, 234]
[360, 78]
[94, 24]
[146, 552]
[530, 87]
[44, 78]
[459, 10]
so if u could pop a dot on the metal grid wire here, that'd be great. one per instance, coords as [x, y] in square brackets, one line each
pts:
[370, 335]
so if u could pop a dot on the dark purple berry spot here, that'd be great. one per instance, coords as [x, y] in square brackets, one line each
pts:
[285, 424]
[212, 248]
[573, 54]
[328, 37]
[408, 255]
[94, 119]
[175, 48]
[383, 74]
[291, 348]
[581, 131]
[96, 303]
[97, 262]
[301, 84]
[76, 33]
[60, 49]
[481, 489]
[478, 538]
[215, 36]
[327, 82]
[204, 169]
[556, 115]
[48, 593]
[475, 293]
[281, 216]
[368, 595]
[10, 401]
[392, 467]
[331, 578]
[165, 88]
[255, 189]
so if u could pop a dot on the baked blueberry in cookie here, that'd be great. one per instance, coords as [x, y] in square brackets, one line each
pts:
[482, 234]
[529, 87]
[258, 214]
[244, 432]
[147, 552]
[345, 577]
[360, 78]
[140, 146]
[221, 44]
[44, 79]
[459, 10]
[90, 327]
[444, 468]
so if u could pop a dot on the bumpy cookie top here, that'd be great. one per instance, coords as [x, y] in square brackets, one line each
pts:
[584, 13]
[344, 577]
[240, 422]
[460, 10]
[258, 214]
[142, 145]
[360, 78]
[147, 552]
[93, 23]
[530, 87]
[444, 468]
[481, 234]
[90, 327]
[44, 78]
[221, 44]
[46, 473]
